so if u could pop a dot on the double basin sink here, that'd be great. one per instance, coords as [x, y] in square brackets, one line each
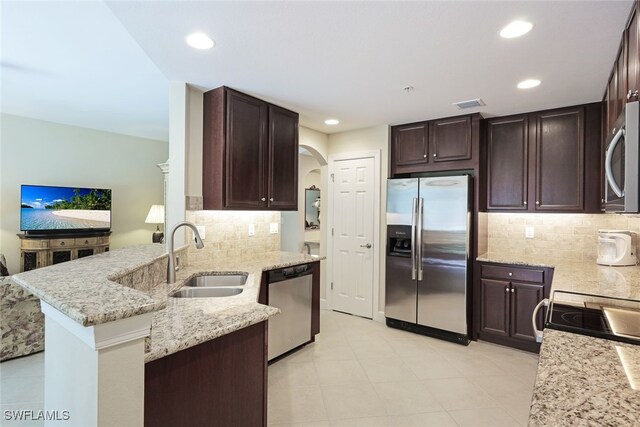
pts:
[212, 286]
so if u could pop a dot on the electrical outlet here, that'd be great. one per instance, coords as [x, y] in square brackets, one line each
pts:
[528, 232]
[252, 229]
[273, 228]
[202, 231]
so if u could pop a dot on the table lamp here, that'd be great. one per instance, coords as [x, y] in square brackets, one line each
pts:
[156, 216]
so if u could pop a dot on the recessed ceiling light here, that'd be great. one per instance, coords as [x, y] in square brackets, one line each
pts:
[331, 122]
[200, 41]
[516, 29]
[528, 84]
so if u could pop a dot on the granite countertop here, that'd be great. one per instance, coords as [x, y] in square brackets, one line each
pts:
[87, 291]
[83, 289]
[582, 380]
[586, 381]
[583, 277]
[180, 324]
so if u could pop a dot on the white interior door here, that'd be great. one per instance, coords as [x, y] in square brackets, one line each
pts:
[353, 235]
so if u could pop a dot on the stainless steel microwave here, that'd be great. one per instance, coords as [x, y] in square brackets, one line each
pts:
[621, 164]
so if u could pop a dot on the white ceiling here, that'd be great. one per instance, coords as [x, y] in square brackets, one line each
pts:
[107, 65]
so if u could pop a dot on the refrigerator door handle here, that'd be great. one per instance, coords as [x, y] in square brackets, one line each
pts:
[419, 231]
[413, 239]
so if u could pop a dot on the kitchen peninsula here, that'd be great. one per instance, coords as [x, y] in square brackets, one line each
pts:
[584, 380]
[109, 321]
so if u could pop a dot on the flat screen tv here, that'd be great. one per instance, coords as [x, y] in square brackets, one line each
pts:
[46, 209]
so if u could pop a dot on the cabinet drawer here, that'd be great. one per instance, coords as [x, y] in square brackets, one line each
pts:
[83, 241]
[34, 244]
[62, 243]
[512, 273]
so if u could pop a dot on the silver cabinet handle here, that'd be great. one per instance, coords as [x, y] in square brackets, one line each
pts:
[525, 203]
[368, 246]
[434, 155]
[536, 332]
[510, 274]
[425, 156]
[506, 289]
[537, 202]
[513, 290]
[271, 199]
[263, 199]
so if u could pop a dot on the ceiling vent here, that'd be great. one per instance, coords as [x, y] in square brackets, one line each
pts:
[472, 103]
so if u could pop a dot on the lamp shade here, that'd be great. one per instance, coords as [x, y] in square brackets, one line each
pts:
[156, 215]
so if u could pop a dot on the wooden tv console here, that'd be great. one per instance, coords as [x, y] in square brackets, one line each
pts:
[42, 250]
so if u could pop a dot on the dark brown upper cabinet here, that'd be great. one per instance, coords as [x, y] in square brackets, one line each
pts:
[507, 160]
[409, 147]
[437, 145]
[250, 153]
[450, 139]
[624, 80]
[547, 161]
[559, 173]
[632, 44]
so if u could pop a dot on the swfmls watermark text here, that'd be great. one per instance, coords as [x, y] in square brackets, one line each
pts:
[31, 415]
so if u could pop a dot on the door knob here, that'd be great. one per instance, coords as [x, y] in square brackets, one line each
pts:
[368, 246]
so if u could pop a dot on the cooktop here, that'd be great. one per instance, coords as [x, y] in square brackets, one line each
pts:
[602, 317]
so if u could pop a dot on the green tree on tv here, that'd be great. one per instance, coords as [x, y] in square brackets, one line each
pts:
[97, 200]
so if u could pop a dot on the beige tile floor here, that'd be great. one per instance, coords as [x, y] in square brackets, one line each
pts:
[361, 373]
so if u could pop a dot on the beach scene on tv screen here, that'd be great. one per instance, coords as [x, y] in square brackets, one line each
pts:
[61, 208]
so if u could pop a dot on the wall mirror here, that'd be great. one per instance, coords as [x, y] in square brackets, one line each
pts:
[312, 208]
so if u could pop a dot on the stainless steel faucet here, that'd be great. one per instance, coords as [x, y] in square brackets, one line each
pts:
[171, 267]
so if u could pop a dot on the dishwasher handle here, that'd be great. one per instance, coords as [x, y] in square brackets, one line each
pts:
[289, 273]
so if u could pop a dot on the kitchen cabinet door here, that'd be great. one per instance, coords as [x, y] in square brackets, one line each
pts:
[507, 163]
[524, 298]
[612, 90]
[245, 152]
[559, 173]
[283, 159]
[249, 153]
[633, 59]
[621, 86]
[450, 139]
[495, 304]
[410, 147]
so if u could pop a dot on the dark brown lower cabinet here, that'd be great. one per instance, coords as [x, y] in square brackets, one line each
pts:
[508, 296]
[222, 383]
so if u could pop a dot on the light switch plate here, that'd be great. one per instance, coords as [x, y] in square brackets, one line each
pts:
[529, 232]
[273, 228]
[252, 229]
[202, 231]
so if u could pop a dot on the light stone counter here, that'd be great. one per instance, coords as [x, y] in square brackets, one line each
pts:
[186, 322]
[132, 281]
[582, 380]
[84, 289]
[586, 381]
[583, 277]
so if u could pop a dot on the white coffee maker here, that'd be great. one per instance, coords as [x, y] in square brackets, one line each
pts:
[616, 248]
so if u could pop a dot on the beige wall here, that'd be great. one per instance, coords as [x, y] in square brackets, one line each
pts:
[44, 153]
[375, 138]
[557, 236]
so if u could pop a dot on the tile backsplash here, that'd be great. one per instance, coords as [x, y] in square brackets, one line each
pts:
[561, 236]
[227, 234]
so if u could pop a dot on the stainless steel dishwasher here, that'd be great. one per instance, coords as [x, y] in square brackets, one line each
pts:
[290, 291]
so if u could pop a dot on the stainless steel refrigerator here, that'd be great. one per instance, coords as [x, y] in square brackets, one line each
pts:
[427, 263]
